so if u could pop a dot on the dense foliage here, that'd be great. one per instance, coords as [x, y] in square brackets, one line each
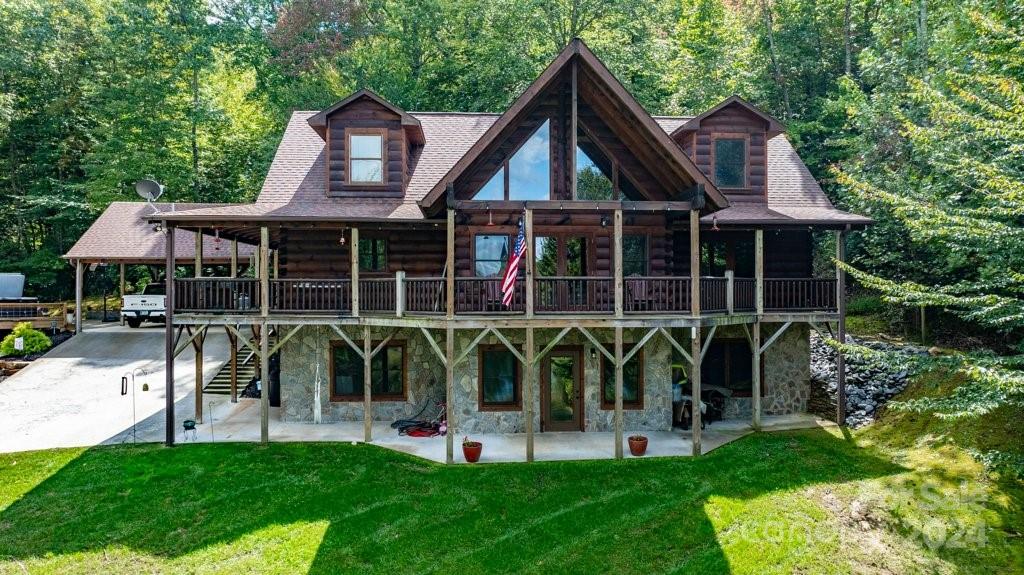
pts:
[32, 341]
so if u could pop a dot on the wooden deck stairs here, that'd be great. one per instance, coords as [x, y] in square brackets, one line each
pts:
[221, 383]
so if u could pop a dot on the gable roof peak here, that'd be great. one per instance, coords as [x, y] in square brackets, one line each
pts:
[409, 122]
[774, 126]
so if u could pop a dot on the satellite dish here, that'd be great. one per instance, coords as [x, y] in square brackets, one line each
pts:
[149, 190]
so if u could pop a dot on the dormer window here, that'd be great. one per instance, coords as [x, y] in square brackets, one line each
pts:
[365, 155]
[730, 162]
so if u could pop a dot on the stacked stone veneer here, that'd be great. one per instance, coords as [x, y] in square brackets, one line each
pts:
[306, 354]
[787, 371]
[787, 379]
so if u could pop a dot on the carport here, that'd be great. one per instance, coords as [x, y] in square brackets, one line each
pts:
[121, 236]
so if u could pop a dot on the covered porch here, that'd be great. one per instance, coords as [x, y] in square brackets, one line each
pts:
[240, 422]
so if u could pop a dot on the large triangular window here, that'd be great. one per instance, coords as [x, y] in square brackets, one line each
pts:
[591, 182]
[529, 169]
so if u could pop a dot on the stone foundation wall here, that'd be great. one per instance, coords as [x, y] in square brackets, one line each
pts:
[305, 356]
[787, 372]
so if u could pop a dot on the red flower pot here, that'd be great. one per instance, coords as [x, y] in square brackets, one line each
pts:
[638, 445]
[471, 450]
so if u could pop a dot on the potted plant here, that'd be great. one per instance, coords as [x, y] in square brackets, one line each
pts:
[471, 449]
[637, 445]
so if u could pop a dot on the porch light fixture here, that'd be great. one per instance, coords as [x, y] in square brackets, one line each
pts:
[604, 221]
[490, 216]
[341, 237]
[714, 223]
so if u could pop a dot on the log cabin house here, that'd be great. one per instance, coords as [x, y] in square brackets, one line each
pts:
[668, 257]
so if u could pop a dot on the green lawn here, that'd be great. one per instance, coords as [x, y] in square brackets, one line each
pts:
[807, 502]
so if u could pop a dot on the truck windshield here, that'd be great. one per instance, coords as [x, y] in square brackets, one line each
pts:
[154, 289]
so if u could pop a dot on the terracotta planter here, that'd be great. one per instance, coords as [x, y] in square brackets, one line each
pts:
[471, 450]
[637, 445]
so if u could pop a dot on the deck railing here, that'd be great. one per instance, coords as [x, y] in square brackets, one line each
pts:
[217, 295]
[482, 295]
[799, 294]
[310, 295]
[656, 294]
[574, 294]
[377, 295]
[714, 294]
[744, 294]
[425, 295]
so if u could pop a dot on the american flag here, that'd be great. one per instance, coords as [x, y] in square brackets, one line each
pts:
[508, 285]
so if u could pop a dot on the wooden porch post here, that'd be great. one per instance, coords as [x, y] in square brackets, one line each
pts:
[618, 390]
[617, 259]
[449, 379]
[234, 258]
[233, 342]
[695, 351]
[264, 274]
[198, 344]
[755, 392]
[354, 272]
[79, 289]
[168, 338]
[449, 266]
[199, 253]
[528, 386]
[841, 305]
[755, 401]
[367, 388]
[120, 289]
[695, 414]
[530, 258]
[276, 264]
[759, 272]
[399, 293]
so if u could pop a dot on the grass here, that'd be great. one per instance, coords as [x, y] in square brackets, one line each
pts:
[807, 502]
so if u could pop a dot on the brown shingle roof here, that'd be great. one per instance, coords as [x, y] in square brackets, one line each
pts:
[295, 184]
[123, 235]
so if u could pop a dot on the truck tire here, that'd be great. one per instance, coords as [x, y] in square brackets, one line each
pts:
[133, 322]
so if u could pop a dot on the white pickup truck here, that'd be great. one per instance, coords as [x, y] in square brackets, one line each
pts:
[148, 306]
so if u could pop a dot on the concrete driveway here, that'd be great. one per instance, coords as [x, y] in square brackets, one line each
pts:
[72, 396]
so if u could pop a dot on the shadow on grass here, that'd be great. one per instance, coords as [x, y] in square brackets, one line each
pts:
[388, 512]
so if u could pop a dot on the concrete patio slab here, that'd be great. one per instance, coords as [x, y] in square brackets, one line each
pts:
[239, 422]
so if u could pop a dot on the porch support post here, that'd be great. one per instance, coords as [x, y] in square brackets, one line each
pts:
[264, 274]
[695, 415]
[841, 305]
[695, 267]
[264, 382]
[79, 288]
[528, 387]
[234, 258]
[276, 264]
[168, 336]
[199, 253]
[449, 268]
[755, 392]
[233, 342]
[617, 259]
[121, 285]
[449, 390]
[530, 257]
[354, 271]
[197, 343]
[399, 293]
[759, 272]
[618, 392]
[367, 391]
[730, 290]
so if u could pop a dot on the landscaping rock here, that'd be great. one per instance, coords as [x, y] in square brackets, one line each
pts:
[870, 383]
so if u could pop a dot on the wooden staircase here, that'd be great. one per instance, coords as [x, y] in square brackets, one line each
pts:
[221, 383]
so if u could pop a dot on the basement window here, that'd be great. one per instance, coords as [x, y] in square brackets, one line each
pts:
[365, 156]
[499, 379]
[387, 372]
[632, 380]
